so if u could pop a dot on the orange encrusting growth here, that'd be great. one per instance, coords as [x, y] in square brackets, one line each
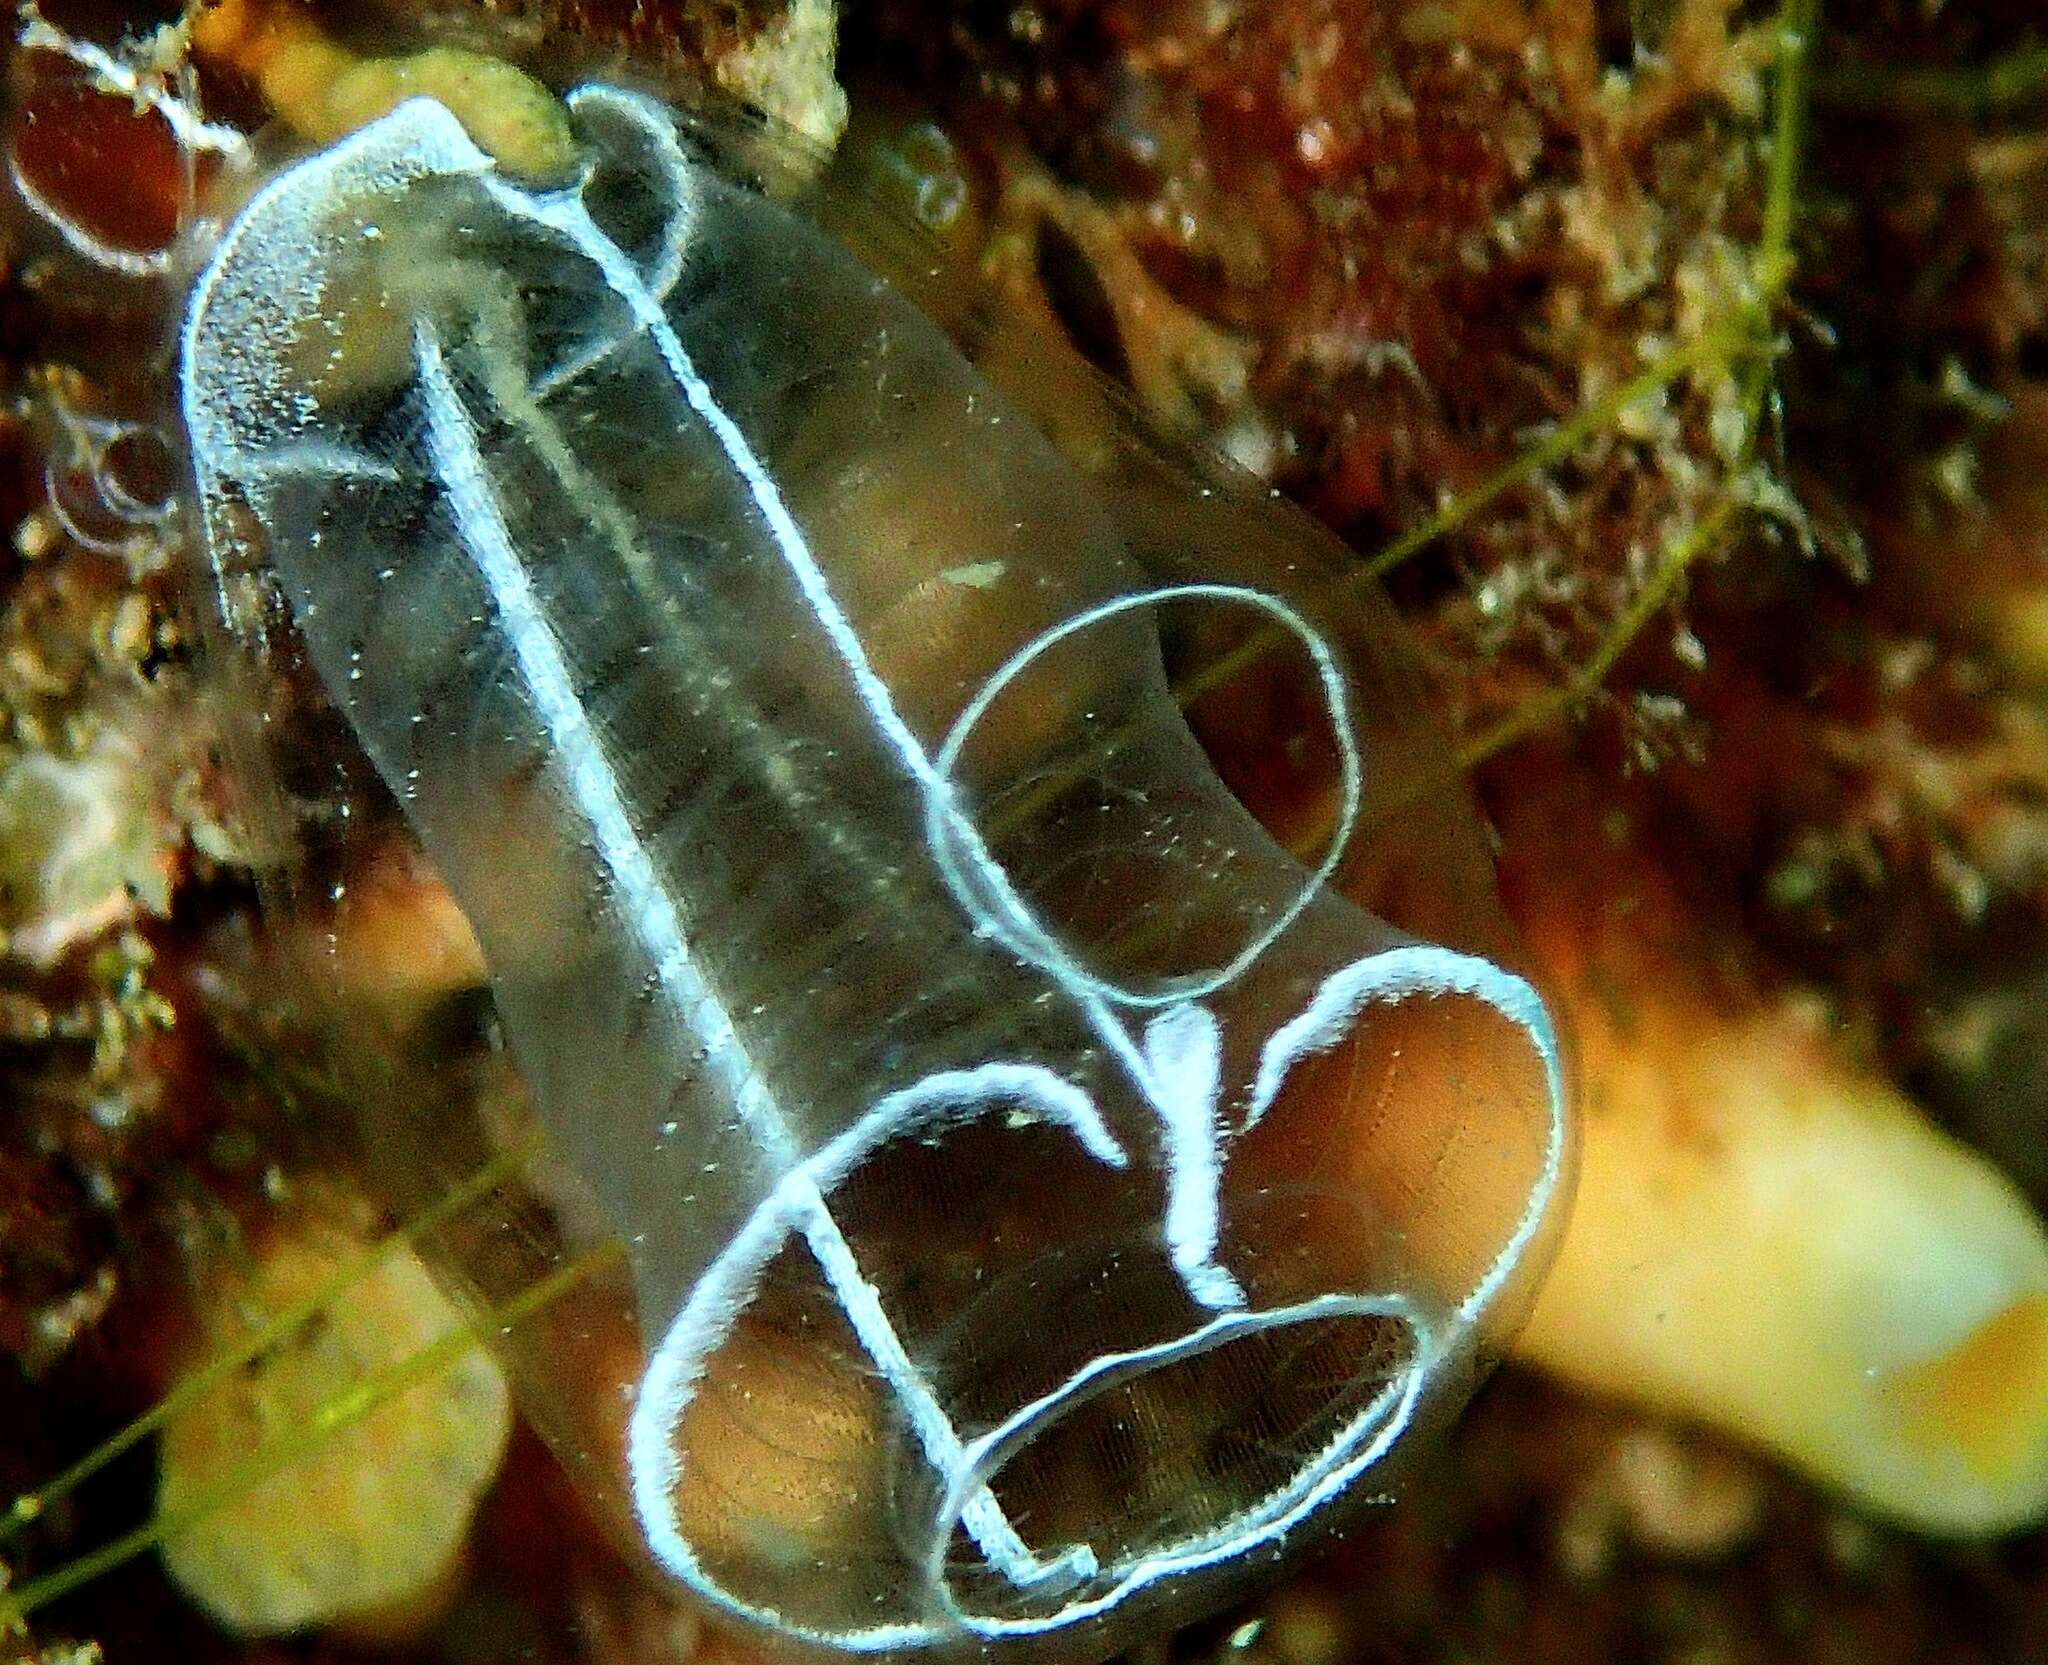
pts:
[1768, 1235]
[1982, 1396]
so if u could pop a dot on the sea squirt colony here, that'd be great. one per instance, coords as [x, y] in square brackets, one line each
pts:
[1047, 1199]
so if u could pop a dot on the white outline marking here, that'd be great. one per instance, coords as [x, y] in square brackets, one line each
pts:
[1342, 1460]
[1426, 969]
[1025, 936]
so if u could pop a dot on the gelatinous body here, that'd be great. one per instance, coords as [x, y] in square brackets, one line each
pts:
[1045, 1196]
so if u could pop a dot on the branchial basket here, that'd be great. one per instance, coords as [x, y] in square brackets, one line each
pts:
[1046, 1198]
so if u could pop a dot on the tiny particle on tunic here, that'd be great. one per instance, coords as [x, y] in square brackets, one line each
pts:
[978, 575]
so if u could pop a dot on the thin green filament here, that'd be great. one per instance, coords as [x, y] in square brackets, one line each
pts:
[30, 1506]
[339, 1413]
[1771, 265]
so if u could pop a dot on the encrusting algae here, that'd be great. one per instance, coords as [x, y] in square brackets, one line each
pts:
[368, 1530]
[1905, 1364]
[1395, 240]
[1770, 1236]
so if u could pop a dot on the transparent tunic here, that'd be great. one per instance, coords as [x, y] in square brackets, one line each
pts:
[1048, 1200]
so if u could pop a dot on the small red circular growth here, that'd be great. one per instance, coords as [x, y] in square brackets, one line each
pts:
[115, 175]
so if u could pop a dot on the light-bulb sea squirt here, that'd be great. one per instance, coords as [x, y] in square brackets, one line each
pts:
[1046, 1198]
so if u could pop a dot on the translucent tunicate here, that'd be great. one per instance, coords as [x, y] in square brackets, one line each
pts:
[1046, 1198]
